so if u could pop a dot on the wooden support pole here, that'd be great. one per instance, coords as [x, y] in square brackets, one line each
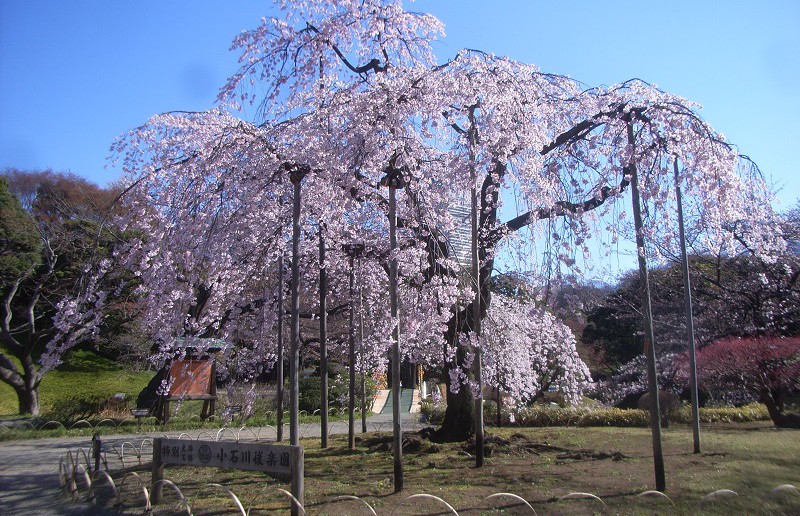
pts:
[298, 473]
[279, 361]
[394, 180]
[396, 422]
[480, 452]
[323, 339]
[687, 294]
[351, 405]
[157, 487]
[361, 348]
[296, 174]
[650, 351]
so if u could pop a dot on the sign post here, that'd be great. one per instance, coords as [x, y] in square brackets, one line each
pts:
[280, 461]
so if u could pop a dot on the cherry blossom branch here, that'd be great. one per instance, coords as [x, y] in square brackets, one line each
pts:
[374, 64]
[559, 209]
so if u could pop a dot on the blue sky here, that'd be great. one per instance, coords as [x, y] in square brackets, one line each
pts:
[75, 75]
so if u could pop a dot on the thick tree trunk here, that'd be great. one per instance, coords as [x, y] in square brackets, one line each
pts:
[459, 417]
[779, 418]
[24, 381]
[459, 420]
[28, 398]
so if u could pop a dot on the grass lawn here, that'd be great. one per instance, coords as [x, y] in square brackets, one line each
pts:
[84, 374]
[541, 465]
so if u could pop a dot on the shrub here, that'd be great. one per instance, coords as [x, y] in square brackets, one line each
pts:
[615, 417]
[310, 387]
[432, 412]
[548, 415]
[743, 414]
[540, 415]
[737, 370]
[86, 405]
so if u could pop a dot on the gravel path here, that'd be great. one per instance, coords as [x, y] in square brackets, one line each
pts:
[29, 468]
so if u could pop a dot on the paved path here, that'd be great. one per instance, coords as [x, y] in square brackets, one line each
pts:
[29, 468]
[406, 401]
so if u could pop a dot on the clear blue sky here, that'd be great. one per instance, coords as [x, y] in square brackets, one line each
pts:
[75, 75]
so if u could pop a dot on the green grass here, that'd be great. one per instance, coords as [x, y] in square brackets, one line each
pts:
[84, 374]
[541, 465]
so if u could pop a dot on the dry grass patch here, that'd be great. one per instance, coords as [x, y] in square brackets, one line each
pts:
[540, 465]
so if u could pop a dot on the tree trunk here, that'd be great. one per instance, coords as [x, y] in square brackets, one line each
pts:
[25, 383]
[779, 418]
[28, 398]
[459, 417]
[459, 420]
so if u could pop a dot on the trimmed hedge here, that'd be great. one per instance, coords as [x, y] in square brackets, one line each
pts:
[743, 414]
[538, 415]
[545, 415]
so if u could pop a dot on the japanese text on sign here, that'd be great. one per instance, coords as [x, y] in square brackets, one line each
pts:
[269, 458]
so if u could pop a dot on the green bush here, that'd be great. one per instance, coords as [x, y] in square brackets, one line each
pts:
[85, 405]
[432, 413]
[540, 415]
[544, 415]
[310, 396]
[615, 417]
[743, 414]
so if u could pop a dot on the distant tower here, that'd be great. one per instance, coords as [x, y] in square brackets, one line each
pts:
[460, 238]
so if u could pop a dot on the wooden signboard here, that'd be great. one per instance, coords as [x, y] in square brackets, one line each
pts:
[269, 458]
[280, 461]
[192, 380]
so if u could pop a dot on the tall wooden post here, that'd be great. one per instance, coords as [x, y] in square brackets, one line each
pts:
[499, 414]
[650, 351]
[323, 339]
[296, 175]
[351, 405]
[298, 462]
[279, 361]
[361, 348]
[394, 180]
[687, 293]
[157, 487]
